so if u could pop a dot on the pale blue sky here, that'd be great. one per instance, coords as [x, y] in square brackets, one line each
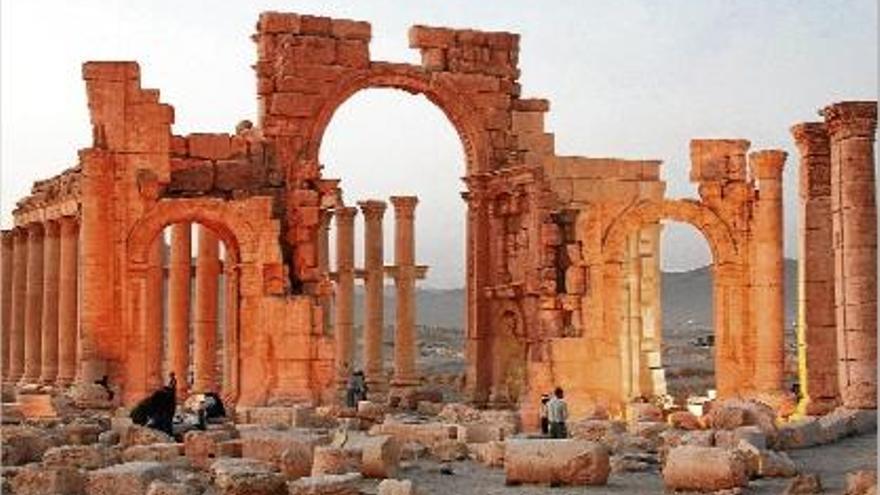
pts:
[635, 79]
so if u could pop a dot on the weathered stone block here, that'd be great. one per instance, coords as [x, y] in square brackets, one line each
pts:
[327, 484]
[239, 174]
[159, 452]
[490, 454]
[565, 462]
[684, 420]
[94, 456]
[40, 480]
[209, 146]
[704, 469]
[247, 477]
[141, 435]
[396, 487]
[202, 447]
[800, 434]
[336, 460]
[131, 478]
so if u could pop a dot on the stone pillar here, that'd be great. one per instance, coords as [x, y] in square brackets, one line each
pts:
[653, 379]
[6, 250]
[344, 317]
[154, 320]
[374, 274]
[205, 324]
[326, 295]
[34, 308]
[768, 271]
[67, 301]
[179, 273]
[405, 280]
[19, 301]
[49, 320]
[817, 339]
[851, 127]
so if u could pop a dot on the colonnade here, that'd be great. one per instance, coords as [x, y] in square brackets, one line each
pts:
[404, 272]
[39, 303]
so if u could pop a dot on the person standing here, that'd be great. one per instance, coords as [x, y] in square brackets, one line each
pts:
[545, 421]
[557, 414]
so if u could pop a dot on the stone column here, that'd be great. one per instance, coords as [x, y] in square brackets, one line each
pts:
[6, 243]
[653, 379]
[326, 295]
[19, 301]
[154, 320]
[34, 308]
[817, 338]
[374, 274]
[49, 320]
[851, 127]
[344, 317]
[179, 273]
[205, 324]
[405, 280]
[767, 271]
[67, 301]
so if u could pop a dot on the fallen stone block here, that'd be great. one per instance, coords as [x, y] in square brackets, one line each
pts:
[804, 484]
[327, 484]
[202, 448]
[247, 477]
[42, 480]
[380, 455]
[268, 445]
[109, 438]
[733, 413]
[336, 460]
[88, 457]
[799, 434]
[649, 432]
[489, 454]
[159, 452]
[596, 430]
[169, 488]
[396, 487]
[22, 444]
[704, 469]
[271, 416]
[861, 483]
[563, 462]
[429, 408]
[131, 478]
[633, 463]
[460, 413]
[81, 433]
[448, 450]
[643, 411]
[141, 435]
[480, 433]
[370, 411]
[776, 465]
[424, 433]
[684, 420]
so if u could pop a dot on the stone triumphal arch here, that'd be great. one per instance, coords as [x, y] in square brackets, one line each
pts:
[550, 240]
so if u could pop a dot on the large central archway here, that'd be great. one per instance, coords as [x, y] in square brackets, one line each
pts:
[729, 279]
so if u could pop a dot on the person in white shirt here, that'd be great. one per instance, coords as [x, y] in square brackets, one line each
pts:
[557, 414]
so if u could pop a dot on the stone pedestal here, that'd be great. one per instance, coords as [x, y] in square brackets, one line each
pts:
[344, 292]
[817, 340]
[205, 324]
[374, 275]
[179, 274]
[49, 320]
[767, 271]
[851, 127]
[34, 306]
[404, 279]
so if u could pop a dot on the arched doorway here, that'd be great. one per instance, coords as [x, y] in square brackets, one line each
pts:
[383, 142]
[730, 285]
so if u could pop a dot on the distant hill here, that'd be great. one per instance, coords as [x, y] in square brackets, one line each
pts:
[687, 302]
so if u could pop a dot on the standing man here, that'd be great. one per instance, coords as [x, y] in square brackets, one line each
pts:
[557, 413]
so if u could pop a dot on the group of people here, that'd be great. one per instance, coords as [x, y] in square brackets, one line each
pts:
[554, 414]
[159, 410]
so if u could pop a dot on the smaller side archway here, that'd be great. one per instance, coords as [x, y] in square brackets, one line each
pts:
[734, 369]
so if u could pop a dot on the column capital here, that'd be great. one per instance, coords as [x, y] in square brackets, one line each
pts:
[373, 209]
[404, 202]
[345, 212]
[34, 229]
[52, 227]
[767, 164]
[851, 119]
[811, 138]
[67, 222]
[6, 236]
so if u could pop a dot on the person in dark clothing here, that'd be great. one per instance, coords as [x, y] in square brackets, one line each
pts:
[105, 382]
[356, 390]
[545, 421]
[156, 411]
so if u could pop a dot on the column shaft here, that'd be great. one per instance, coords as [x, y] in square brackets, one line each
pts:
[767, 271]
[154, 320]
[374, 284]
[851, 127]
[405, 316]
[817, 339]
[205, 324]
[67, 302]
[19, 302]
[179, 273]
[326, 296]
[49, 322]
[6, 254]
[34, 308]
[344, 317]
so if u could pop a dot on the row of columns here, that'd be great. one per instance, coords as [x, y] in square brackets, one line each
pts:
[838, 243]
[38, 303]
[404, 272]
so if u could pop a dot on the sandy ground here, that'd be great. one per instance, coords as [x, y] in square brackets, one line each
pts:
[831, 462]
